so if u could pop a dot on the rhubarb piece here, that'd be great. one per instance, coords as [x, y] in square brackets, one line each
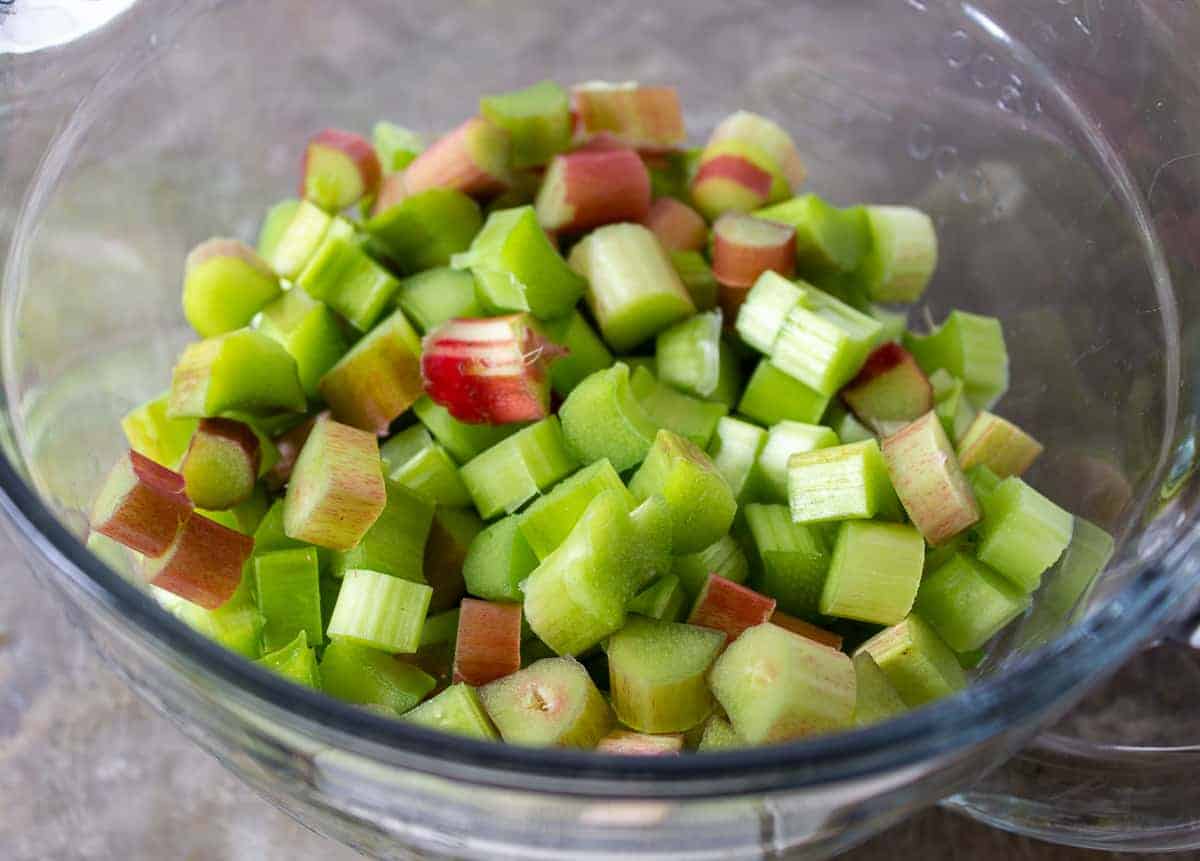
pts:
[824, 342]
[366, 676]
[724, 558]
[950, 403]
[236, 624]
[664, 599]
[225, 284]
[395, 146]
[394, 544]
[729, 607]
[633, 291]
[771, 396]
[203, 564]
[928, 480]
[697, 277]
[967, 603]
[586, 189]
[243, 371]
[688, 355]
[551, 703]
[512, 256]
[784, 440]
[657, 674]
[890, 391]
[828, 239]
[734, 450]
[1065, 589]
[435, 296]
[632, 114]
[718, 735]
[1022, 533]
[345, 278]
[498, 560]
[378, 379]
[748, 162]
[379, 611]
[153, 434]
[999, 445]
[517, 469]
[550, 519]
[876, 699]
[971, 347]
[841, 483]
[392, 192]
[585, 352]
[287, 446]
[337, 490]
[744, 247]
[918, 663]
[798, 626]
[761, 317]
[299, 240]
[270, 534]
[777, 686]
[286, 586]
[677, 226]
[649, 557]
[412, 459]
[875, 572]
[792, 560]
[274, 223]
[488, 370]
[901, 255]
[537, 119]
[340, 168]
[701, 503]
[297, 662]
[623, 743]
[457, 710]
[473, 159]
[425, 229]
[462, 440]
[221, 464]
[602, 418]
[767, 139]
[450, 537]
[489, 642]
[691, 418]
[141, 505]
[309, 331]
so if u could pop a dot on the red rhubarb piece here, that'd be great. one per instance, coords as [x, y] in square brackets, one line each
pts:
[590, 188]
[340, 168]
[204, 565]
[142, 505]
[890, 391]
[489, 641]
[730, 607]
[677, 226]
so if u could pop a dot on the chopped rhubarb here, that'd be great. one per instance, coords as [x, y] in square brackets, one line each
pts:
[221, 464]
[587, 189]
[730, 182]
[288, 444]
[806, 629]
[730, 607]
[489, 642]
[225, 284]
[142, 505]
[392, 192]
[340, 168]
[890, 391]
[203, 564]
[677, 226]
[378, 379]
[646, 118]
[473, 159]
[744, 247]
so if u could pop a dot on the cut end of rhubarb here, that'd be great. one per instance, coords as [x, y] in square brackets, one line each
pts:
[141, 505]
[890, 391]
[221, 464]
[730, 607]
[646, 118]
[587, 189]
[340, 168]
[489, 642]
[744, 247]
[473, 159]
[728, 183]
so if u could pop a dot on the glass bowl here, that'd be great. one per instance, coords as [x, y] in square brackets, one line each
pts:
[1056, 145]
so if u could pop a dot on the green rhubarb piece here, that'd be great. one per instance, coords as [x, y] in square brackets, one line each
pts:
[689, 417]
[687, 355]
[771, 396]
[309, 331]
[242, 371]
[550, 519]
[426, 229]
[784, 440]
[827, 238]
[875, 698]
[970, 347]
[274, 223]
[395, 146]
[901, 255]
[724, 557]
[701, 503]
[538, 119]
[657, 674]
[412, 459]
[928, 480]
[586, 353]
[380, 612]
[341, 275]
[517, 469]
[968, 604]
[719, 735]
[823, 342]
[950, 403]
[366, 676]
[633, 290]
[457, 710]
[918, 663]
[650, 555]
[792, 559]
[602, 418]
[697, 277]
[551, 703]
[1065, 588]
[998, 444]
[236, 624]
[776, 686]
[498, 561]
[395, 543]
[463, 441]
[734, 450]
[1022, 533]
[297, 662]
[440, 628]
[432, 297]
[846, 426]
[664, 599]
[289, 597]
[763, 312]
[841, 483]
[875, 572]
[299, 240]
[513, 250]
[152, 433]
[982, 480]
[225, 284]
[270, 534]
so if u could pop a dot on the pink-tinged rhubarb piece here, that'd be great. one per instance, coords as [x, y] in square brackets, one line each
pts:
[203, 564]
[730, 607]
[645, 118]
[340, 168]
[288, 444]
[730, 182]
[220, 467]
[489, 370]
[392, 191]
[807, 630]
[587, 189]
[626, 743]
[749, 161]
[890, 391]
[744, 247]
[766, 137]
[142, 505]
[999, 445]
[677, 226]
[489, 641]
[473, 159]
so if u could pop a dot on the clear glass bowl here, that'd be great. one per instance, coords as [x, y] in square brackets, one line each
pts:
[1056, 143]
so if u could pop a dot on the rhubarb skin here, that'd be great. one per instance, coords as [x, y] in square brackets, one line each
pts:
[744, 247]
[677, 226]
[890, 391]
[340, 168]
[489, 642]
[142, 505]
[204, 564]
[806, 629]
[646, 118]
[730, 607]
[927, 478]
[587, 189]
[378, 379]
[766, 137]
[730, 182]
[392, 192]
[473, 159]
